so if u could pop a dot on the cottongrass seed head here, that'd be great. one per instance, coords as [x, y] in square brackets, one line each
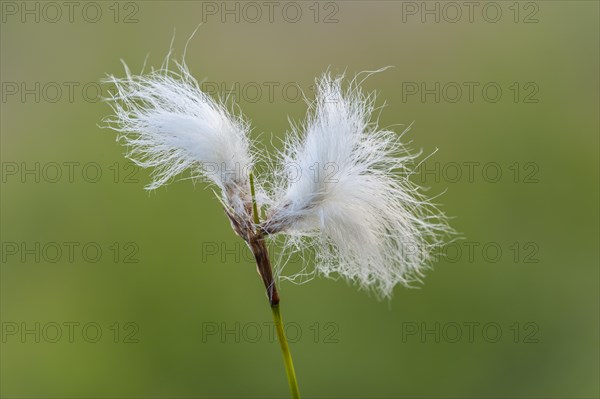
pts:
[344, 191]
[341, 186]
[170, 125]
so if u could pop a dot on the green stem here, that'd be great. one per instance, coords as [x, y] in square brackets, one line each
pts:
[285, 350]
[254, 207]
[274, 299]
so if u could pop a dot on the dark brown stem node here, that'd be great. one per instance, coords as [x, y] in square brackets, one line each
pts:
[263, 265]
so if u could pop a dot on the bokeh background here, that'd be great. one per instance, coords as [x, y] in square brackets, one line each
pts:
[172, 306]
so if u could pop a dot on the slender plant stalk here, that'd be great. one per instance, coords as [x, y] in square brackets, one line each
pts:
[263, 263]
[254, 206]
[285, 350]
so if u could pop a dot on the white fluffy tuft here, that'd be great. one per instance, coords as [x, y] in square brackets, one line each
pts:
[343, 189]
[170, 125]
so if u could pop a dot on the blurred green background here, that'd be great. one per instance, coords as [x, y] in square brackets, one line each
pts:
[171, 267]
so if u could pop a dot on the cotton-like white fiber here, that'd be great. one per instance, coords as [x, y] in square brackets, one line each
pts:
[170, 125]
[343, 189]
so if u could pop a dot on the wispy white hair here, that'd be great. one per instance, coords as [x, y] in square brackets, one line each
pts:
[344, 190]
[342, 186]
[170, 125]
